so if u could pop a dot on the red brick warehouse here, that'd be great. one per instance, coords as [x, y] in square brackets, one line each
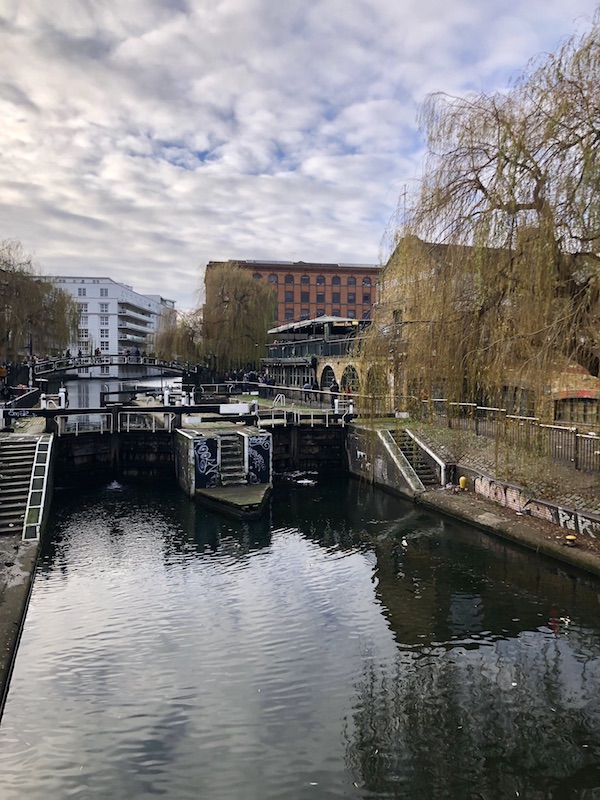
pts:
[308, 290]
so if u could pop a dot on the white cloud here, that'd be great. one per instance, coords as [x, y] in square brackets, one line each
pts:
[142, 139]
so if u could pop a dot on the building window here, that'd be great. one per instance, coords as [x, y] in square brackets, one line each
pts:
[351, 313]
[83, 320]
[366, 298]
[104, 346]
[81, 292]
[289, 278]
[335, 297]
[105, 369]
[103, 320]
[305, 313]
[352, 297]
[289, 296]
[320, 297]
[366, 281]
[95, 280]
[83, 370]
[83, 307]
[305, 297]
[289, 313]
[351, 281]
[272, 278]
[320, 312]
[320, 280]
[104, 333]
[336, 312]
[573, 409]
[103, 292]
[305, 280]
[336, 281]
[104, 308]
[257, 276]
[84, 333]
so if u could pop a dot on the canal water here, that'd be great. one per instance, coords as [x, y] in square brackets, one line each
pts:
[345, 646]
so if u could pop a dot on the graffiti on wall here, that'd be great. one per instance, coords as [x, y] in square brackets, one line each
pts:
[515, 498]
[362, 462]
[259, 458]
[205, 462]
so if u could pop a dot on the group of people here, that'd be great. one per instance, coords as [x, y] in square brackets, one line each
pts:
[311, 389]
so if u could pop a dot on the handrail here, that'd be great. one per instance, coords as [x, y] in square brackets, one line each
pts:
[111, 359]
[33, 511]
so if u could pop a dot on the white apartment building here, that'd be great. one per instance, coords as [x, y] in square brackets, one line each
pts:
[113, 319]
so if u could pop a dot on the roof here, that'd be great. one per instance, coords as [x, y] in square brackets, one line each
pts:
[294, 264]
[311, 323]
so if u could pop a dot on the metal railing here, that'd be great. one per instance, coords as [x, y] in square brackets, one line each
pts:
[70, 423]
[562, 443]
[106, 359]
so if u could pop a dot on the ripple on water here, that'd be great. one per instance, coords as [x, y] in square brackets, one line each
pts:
[151, 663]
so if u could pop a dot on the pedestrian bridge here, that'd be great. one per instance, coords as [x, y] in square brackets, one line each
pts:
[61, 365]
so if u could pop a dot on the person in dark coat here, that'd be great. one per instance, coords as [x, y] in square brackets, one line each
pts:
[335, 390]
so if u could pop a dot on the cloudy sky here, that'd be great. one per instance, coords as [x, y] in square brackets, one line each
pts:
[142, 138]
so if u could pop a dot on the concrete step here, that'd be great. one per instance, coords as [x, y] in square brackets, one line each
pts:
[232, 473]
[16, 463]
[413, 455]
[6, 459]
[14, 485]
[14, 471]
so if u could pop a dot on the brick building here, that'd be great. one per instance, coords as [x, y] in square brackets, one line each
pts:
[309, 290]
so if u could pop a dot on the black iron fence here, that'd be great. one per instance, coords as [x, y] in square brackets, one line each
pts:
[563, 443]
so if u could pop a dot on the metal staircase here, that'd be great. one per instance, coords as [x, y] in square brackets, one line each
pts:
[232, 461]
[17, 455]
[415, 458]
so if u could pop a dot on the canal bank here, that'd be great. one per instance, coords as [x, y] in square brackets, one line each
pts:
[540, 536]
[17, 566]
[529, 499]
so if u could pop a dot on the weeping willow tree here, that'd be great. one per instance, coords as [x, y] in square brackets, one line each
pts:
[179, 335]
[35, 315]
[237, 314]
[494, 276]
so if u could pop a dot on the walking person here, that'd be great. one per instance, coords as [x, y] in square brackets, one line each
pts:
[334, 389]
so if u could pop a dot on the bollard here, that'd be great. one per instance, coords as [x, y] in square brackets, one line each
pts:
[43, 401]
[62, 396]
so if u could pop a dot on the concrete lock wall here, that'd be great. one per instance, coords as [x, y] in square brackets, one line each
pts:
[307, 449]
[369, 459]
[134, 455]
[184, 462]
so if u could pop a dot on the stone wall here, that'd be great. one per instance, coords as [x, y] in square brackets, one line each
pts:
[517, 499]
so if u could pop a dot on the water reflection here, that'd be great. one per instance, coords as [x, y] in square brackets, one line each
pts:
[346, 645]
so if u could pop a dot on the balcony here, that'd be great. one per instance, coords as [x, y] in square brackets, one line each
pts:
[125, 339]
[135, 314]
[303, 349]
[134, 327]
